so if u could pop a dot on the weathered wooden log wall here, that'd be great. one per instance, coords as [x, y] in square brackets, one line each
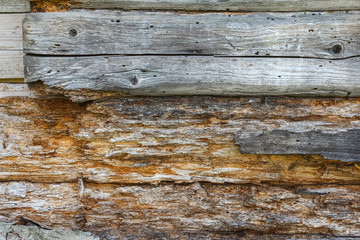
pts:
[76, 155]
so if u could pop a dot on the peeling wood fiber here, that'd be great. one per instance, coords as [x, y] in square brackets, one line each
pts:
[149, 140]
[9, 231]
[174, 211]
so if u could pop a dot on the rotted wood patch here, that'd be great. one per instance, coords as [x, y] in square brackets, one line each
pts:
[190, 211]
[342, 145]
[150, 140]
[10, 231]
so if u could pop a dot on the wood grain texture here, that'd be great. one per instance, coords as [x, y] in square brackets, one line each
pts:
[342, 145]
[219, 5]
[10, 231]
[11, 46]
[198, 75]
[152, 140]
[190, 211]
[319, 35]
[14, 6]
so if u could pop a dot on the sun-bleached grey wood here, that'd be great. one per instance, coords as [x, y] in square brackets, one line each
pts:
[322, 35]
[198, 75]
[220, 5]
[342, 145]
[11, 46]
[14, 6]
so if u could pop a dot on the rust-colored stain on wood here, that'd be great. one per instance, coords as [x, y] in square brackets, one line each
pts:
[51, 6]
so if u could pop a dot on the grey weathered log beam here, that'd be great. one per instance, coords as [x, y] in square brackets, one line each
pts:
[198, 75]
[218, 5]
[319, 35]
[341, 145]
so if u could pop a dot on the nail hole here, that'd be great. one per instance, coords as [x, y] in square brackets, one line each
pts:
[57, 45]
[151, 26]
[337, 48]
[154, 75]
[118, 21]
[197, 23]
[134, 80]
[49, 71]
[72, 32]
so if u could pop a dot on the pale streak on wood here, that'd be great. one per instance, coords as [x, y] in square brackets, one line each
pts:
[121, 211]
[218, 5]
[13, 6]
[251, 34]
[342, 145]
[11, 46]
[14, 90]
[9, 231]
[178, 139]
[198, 75]
[11, 64]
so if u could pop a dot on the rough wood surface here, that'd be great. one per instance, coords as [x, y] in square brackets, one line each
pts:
[343, 145]
[13, 6]
[11, 65]
[198, 75]
[12, 232]
[150, 140]
[319, 35]
[89, 166]
[216, 5]
[11, 46]
[190, 211]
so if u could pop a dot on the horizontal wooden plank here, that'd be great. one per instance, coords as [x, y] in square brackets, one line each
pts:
[320, 35]
[136, 212]
[13, 6]
[343, 145]
[219, 5]
[11, 46]
[151, 140]
[198, 75]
